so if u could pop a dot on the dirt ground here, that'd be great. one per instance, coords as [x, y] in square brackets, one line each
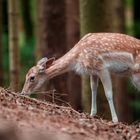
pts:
[23, 118]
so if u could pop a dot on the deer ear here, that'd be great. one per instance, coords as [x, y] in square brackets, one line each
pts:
[49, 62]
[42, 63]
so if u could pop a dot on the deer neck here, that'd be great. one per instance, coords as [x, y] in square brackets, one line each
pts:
[62, 65]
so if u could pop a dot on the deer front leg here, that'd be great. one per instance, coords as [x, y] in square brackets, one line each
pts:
[94, 85]
[107, 84]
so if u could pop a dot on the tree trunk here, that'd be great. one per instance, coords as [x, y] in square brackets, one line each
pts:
[136, 18]
[13, 44]
[26, 15]
[1, 66]
[73, 35]
[105, 16]
[51, 34]
[121, 96]
[86, 20]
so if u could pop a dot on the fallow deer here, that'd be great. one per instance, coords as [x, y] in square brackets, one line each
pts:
[98, 55]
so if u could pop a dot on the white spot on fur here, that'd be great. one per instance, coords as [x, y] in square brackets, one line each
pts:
[85, 51]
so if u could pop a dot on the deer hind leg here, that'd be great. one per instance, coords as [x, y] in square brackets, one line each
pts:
[94, 84]
[107, 84]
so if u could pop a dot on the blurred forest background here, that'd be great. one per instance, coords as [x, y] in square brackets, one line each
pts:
[31, 29]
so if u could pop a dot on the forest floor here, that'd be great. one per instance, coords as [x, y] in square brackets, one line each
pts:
[23, 118]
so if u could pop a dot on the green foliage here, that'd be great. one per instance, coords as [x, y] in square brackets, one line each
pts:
[129, 3]
[137, 28]
[26, 46]
[27, 51]
[27, 57]
[136, 109]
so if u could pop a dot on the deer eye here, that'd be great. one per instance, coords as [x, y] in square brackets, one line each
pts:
[32, 78]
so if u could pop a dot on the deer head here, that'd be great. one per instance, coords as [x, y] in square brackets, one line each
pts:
[36, 76]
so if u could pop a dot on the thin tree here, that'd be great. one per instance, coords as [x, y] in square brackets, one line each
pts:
[73, 35]
[104, 16]
[13, 44]
[120, 84]
[86, 22]
[1, 66]
[27, 20]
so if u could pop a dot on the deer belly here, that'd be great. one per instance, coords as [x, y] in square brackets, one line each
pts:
[119, 62]
[117, 66]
